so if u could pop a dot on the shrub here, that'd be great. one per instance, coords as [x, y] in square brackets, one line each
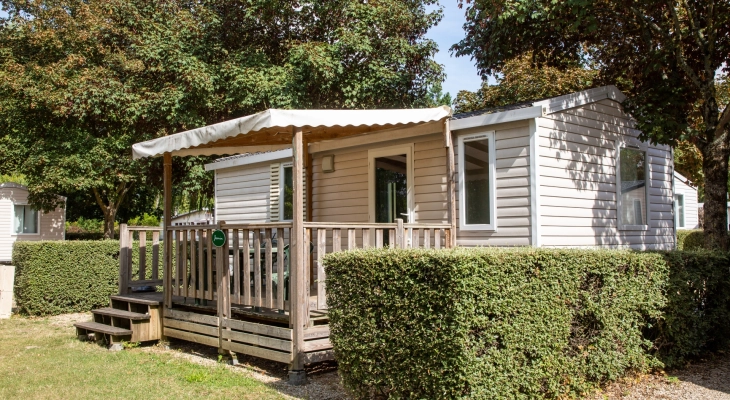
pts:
[57, 277]
[690, 239]
[696, 317]
[84, 235]
[491, 323]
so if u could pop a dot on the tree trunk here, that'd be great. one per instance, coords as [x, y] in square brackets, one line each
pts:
[110, 210]
[110, 214]
[715, 168]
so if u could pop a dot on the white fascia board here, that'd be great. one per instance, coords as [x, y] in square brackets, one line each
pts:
[253, 159]
[578, 99]
[496, 118]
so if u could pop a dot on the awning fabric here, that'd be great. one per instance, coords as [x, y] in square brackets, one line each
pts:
[215, 135]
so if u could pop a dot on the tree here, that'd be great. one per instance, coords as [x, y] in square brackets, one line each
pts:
[521, 80]
[82, 80]
[665, 55]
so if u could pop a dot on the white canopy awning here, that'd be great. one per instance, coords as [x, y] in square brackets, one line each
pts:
[273, 129]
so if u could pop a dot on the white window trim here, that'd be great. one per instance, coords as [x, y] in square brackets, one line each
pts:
[281, 188]
[406, 149]
[12, 222]
[683, 224]
[492, 226]
[634, 145]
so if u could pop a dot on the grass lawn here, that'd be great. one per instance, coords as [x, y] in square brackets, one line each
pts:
[42, 359]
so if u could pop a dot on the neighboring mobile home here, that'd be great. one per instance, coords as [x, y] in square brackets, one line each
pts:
[565, 171]
[20, 222]
[685, 203]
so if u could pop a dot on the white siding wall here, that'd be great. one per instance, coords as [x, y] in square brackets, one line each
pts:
[512, 143]
[52, 225]
[242, 194]
[578, 207]
[691, 217]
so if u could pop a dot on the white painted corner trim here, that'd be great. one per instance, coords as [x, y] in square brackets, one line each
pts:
[496, 118]
[535, 184]
[252, 159]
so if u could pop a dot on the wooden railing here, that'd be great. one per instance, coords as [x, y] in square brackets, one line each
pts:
[255, 258]
[147, 272]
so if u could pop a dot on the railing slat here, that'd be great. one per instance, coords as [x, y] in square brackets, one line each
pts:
[209, 243]
[427, 238]
[321, 249]
[155, 255]
[280, 287]
[200, 290]
[336, 240]
[185, 263]
[392, 239]
[246, 267]
[379, 238]
[365, 238]
[437, 239]
[351, 239]
[193, 290]
[269, 270]
[130, 244]
[236, 269]
[142, 255]
[257, 267]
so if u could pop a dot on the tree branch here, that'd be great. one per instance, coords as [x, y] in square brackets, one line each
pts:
[723, 121]
[681, 60]
[99, 201]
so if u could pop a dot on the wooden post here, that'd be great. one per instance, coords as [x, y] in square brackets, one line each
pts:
[450, 184]
[299, 319]
[123, 259]
[167, 220]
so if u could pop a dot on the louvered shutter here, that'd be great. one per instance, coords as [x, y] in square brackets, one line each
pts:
[274, 192]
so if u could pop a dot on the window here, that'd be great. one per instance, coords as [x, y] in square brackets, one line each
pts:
[679, 209]
[477, 182]
[632, 179]
[25, 221]
[390, 184]
[286, 205]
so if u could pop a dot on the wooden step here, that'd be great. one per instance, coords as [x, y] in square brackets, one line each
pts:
[113, 312]
[106, 329]
[152, 298]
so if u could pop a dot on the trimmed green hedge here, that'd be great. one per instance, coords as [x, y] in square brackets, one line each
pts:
[57, 277]
[510, 323]
[690, 239]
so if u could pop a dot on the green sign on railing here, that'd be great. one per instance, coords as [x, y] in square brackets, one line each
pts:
[219, 238]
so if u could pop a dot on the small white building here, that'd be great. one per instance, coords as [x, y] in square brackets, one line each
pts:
[197, 217]
[20, 222]
[685, 203]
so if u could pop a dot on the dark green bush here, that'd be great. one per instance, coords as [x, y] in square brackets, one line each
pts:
[690, 239]
[84, 235]
[57, 277]
[696, 317]
[491, 323]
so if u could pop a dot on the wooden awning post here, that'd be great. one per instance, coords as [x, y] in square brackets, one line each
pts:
[450, 184]
[299, 317]
[167, 221]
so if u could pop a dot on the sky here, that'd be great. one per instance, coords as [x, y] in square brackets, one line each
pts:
[461, 74]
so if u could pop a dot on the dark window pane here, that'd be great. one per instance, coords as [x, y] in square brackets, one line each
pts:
[476, 182]
[288, 194]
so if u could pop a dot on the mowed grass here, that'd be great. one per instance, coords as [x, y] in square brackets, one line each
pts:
[40, 359]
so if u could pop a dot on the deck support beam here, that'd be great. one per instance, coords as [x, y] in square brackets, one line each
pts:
[299, 295]
[167, 221]
[450, 184]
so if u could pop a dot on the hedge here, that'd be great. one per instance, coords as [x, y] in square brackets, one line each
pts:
[513, 323]
[58, 277]
[690, 239]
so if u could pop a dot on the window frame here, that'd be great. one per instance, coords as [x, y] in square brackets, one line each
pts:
[282, 189]
[12, 222]
[677, 220]
[492, 226]
[643, 147]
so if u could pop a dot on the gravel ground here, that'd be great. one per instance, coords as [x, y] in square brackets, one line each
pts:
[706, 379]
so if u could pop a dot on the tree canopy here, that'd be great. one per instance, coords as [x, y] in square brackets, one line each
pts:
[82, 80]
[664, 55]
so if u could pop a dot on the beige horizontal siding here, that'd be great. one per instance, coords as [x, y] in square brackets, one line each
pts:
[578, 203]
[243, 194]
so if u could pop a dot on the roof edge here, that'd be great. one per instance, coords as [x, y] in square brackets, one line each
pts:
[252, 159]
[577, 99]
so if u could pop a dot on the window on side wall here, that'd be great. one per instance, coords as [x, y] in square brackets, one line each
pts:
[632, 182]
[679, 209]
[477, 205]
[25, 220]
[286, 206]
